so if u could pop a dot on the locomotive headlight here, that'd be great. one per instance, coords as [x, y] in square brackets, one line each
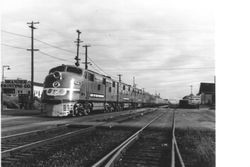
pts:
[57, 75]
[56, 84]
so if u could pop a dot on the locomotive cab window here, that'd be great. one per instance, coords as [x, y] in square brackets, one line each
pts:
[91, 77]
[59, 68]
[85, 75]
[74, 70]
[113, 84]
[104, 81]
[99, 87]
[124, 87]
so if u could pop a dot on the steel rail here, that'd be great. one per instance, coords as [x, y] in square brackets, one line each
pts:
[33, 131]
[65, 125]
[178, 153]
[116, 151]
[173, 141]
[6, 153]
[175, 146]
[46, 141]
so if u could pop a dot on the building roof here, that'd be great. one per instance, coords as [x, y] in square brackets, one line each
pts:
[21, 81]
[207, 88]
[38, 84]
[188, 96]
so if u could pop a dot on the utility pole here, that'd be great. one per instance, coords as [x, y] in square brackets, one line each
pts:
[32, 60]
[78, 41]
[191, 86]
[4, 66]
[134, 85]
[120, 75]
[8, 68]
[86, 56]
[118, 85]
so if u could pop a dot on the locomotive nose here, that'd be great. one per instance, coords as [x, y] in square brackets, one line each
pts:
[57, 75]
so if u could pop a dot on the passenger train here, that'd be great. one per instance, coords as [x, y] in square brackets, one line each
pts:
[70, 90]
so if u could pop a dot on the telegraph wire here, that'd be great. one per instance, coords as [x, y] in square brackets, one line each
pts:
[98, 67]
[46, 54]
[46, 43]
[54, 46]
[16, 47]
[8, 32]
[101, 70]
[165, 69]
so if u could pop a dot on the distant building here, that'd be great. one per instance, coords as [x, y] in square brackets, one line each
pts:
[190, 101]
[193, 99]
[207, 93]
[18, 87]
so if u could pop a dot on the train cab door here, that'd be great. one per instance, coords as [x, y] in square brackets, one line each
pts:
[86, 86]
[83, 87]
[108, 90]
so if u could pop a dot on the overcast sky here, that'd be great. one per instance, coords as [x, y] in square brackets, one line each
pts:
[167, 45]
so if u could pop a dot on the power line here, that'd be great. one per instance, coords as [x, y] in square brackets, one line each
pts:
[165, 69]
[101, 70]
[46, 54]
[98, 67]
[16, 47]
[54, 46]
[54, 57]
[8, 32]
[46, 43]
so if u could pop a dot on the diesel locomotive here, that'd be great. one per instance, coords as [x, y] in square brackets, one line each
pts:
[70, 90]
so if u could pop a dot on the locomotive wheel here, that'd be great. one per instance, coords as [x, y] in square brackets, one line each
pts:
[106, 108]
[112, 108]
[90, 107]
[79, 110]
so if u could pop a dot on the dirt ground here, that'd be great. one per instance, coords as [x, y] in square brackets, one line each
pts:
[184, 118]
[195, 129]
[195, 118]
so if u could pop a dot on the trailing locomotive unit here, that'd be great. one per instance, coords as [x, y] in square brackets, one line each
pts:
[69, 90]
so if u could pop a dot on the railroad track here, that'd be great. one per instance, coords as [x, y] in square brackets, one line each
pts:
[114, 156]
[18, 146]
[148, 150]
[12, 141]
[175, 149]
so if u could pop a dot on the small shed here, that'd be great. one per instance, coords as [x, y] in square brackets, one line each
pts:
[207, 93]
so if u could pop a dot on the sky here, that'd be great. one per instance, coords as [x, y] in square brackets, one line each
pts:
[167, 45]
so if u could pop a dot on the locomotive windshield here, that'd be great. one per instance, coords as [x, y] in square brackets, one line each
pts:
[59, 68]
[68, 69]
[74, 70]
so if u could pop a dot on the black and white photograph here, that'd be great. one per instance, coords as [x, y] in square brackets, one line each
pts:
[124, 83]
